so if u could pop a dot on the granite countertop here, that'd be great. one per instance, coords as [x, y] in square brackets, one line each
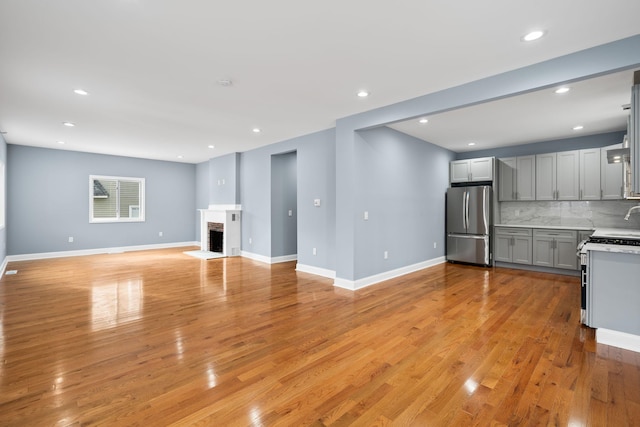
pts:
[549, 227]
[623, 249]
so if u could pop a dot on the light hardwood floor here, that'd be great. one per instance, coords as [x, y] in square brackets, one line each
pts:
[160, 338]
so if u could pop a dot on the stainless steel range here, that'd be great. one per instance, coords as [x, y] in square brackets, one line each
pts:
[614, 239]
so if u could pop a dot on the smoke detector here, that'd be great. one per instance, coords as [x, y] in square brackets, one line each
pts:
[225, 82]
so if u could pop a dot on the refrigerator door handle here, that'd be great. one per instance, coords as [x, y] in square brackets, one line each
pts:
[466, 209]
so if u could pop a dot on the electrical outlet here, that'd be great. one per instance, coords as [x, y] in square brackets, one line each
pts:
[314, 251]
[160, 234]
[70, 239]
[316, 202]
[250, 240]
[366, 215]
[386, 255]
[290, 212]
[434, 245]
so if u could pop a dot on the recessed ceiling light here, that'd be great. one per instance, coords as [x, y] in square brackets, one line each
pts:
[68, 124]
[471, 144]
[563, 90]
[533, 35]
[80, 92]
[212, 146]
[257, 130]
[579, 127]
[179, 157]
[363, 94]
[225, 82]
[423, 120]
[60, 142]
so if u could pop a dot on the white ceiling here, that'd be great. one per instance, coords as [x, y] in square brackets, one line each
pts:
[594, 104]
[151, 66]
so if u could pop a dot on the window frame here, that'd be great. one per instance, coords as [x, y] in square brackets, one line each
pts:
[140, 205]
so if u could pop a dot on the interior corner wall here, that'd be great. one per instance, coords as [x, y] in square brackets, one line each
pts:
[402, 182]
[202, 194]
[315, 156]
[48, 201]
[3, 229]
[223, 178]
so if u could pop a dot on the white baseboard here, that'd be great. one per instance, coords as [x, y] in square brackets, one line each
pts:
[331, 274]
[377, 278]
[84, 252]
[268, 260]
[618, 339]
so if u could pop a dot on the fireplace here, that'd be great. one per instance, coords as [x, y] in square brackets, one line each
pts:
[216, 236]
[220, 229]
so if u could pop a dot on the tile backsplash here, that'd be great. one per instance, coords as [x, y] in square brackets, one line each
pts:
[591, 214]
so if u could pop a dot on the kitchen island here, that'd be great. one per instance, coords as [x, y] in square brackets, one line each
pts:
[613, 288]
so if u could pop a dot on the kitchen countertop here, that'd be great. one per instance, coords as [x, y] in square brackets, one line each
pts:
[550, 227]
[621, 249]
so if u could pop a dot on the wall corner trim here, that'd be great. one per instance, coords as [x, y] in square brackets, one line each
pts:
[354, 285]
[85, 252]
[618, 339]
[303, 268]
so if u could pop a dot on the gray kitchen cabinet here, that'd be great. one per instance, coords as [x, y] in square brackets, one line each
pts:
[558, 176]
[555, 248]
[590, 174]
[513, 245]
[611, 176]
[470, 170]
[516, 178]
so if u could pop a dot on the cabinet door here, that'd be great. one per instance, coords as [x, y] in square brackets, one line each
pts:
[481, 169]
[522, 250]
[565, 253]
[507, 179]
[526, 178]
[611, 176]
[568, 175]
[589, 174]
[543, 251]
[546, 176]
[459, 171]
[503, 249]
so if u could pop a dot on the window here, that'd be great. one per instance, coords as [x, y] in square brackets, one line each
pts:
[116, 199]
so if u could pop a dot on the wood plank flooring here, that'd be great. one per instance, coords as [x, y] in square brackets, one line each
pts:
[159, 338]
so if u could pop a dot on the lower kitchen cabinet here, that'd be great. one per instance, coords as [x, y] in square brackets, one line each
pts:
[513, 245]
[555, 248]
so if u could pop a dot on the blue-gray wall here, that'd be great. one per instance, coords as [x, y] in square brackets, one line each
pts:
[284, 187]
[401, 183]
[48, 201]
[224, 178]
[3, 230]
[315, 158]
[567, 144]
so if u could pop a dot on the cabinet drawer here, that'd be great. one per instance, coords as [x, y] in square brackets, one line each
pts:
[555, 234]
[508, 231]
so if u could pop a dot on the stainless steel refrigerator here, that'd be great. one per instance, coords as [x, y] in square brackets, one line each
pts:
[469, 222]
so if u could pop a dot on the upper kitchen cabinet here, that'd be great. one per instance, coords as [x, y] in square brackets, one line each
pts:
[590, 174]
[480, 169]
[611, 176]
[558, 176]
[516, 178]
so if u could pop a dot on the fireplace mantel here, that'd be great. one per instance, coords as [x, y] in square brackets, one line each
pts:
[229, 216]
